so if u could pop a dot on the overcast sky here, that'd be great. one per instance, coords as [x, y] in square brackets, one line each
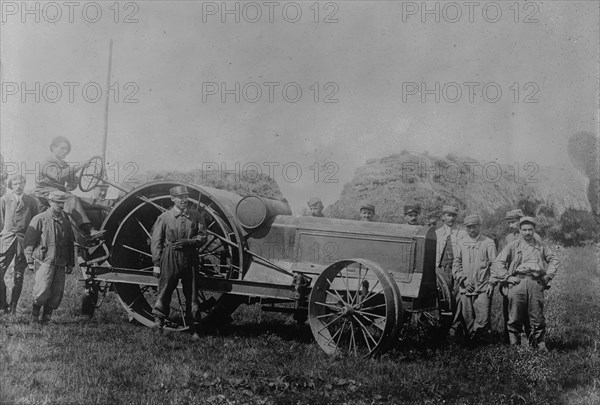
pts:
[372, 59]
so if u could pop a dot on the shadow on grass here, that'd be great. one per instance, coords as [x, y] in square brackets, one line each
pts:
[285, 331]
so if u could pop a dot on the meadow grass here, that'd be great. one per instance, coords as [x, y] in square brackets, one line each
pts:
[264, 358]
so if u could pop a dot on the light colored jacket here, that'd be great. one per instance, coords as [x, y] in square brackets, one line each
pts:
[473, 261]
[456, 234]
[510, 258]
[16, 217]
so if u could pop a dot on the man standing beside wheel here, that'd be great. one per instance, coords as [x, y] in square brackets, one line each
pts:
[176, 236]
[16, 211]
[527, 267]
[471, 270]
[50, 240]
[448, 236]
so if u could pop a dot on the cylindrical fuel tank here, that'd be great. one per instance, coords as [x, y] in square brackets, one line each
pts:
[254, 211]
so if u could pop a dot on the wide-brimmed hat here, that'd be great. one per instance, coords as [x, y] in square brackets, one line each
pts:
[178, 190]
[449, 209]
[58, 196]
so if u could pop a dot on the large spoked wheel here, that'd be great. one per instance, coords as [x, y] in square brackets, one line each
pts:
[436, 322]
[91, 174]
[355, 309]
[220, 257]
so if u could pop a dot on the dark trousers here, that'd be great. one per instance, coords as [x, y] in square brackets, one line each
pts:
[457, 320]
[175, 266]
[15, 251]
[526, 309]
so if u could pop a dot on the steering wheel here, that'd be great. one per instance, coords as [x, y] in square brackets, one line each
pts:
[91, 174]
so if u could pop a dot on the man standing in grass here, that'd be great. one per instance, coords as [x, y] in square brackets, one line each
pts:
[448, 236]
[176, 236]
[527, 267]
[471, 270]
[50, 240]
[16, 211]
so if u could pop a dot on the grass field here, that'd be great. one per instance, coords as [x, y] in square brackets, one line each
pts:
[265, 358]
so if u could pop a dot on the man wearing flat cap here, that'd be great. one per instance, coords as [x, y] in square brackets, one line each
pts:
[176, 236]
[527, 267]
[315, 207]
[16, 211]
[448, 236]
[471, 269]
[50, 241]
[367, 212]
[512, 219]
[411, 214]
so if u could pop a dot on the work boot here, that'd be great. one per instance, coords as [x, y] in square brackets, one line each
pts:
[515, 340]
[542, 347]
[46, 315]
[35, 314]
[16, 293]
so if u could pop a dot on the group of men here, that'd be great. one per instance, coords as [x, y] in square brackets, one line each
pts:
[44, 242]
[470, 265]
[465, 259]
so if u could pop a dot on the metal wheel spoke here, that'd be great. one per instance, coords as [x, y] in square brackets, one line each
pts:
[365, 329]
[144, 228]
[335, 296]
[347, 285]
[366, 339]
[337, 344]
[370, 314]
[136, 250]
[373, 307]
[337, 308]
[352, 340]
[327, 325]
[335, 334]
[368, 297]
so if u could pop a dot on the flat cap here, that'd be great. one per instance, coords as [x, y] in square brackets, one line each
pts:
[449, 209]
[369, 207]
[178, 190]
[514, 214]
[472, 219]
[315, 201]
[58, 196]
[528, 220]
[411, 208]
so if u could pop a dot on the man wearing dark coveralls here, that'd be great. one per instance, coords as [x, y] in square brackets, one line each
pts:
[50, 240]
[176, 236]
[527, 266]
[16, 211]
